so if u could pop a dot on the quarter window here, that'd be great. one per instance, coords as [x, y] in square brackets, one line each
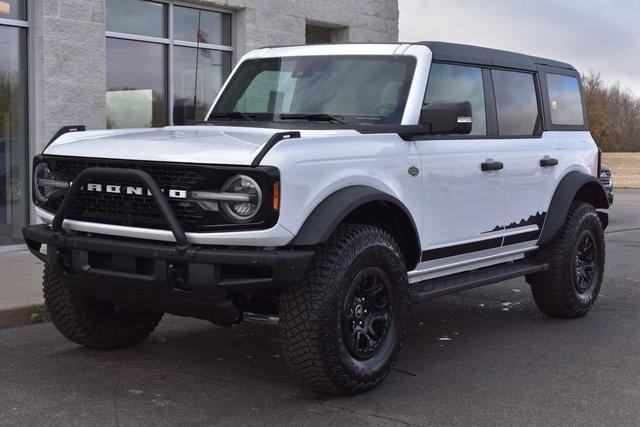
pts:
[516, 102]
[565, 101]
[457, 83]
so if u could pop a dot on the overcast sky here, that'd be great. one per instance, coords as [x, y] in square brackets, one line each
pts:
[603, 36]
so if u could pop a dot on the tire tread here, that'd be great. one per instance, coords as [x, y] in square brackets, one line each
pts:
[306, 310]
[75, 316]
[553, 290]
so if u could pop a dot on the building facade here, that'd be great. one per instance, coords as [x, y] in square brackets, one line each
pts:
[132, 63]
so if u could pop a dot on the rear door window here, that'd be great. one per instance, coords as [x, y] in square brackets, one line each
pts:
[565, 100]
[458, 83]
[516, 102]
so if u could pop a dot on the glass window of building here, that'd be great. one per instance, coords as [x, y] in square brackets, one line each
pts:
[14, 169]
[212, 66]
[157, 64]
[215, 27]
[13, 9]
[136, 76]
[145, 18]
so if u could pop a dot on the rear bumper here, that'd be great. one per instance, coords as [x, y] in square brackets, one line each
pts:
[198, 281]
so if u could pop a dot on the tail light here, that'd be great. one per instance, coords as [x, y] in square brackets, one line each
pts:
[599, 162]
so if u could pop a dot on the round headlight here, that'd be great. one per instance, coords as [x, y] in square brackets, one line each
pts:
[248, 202]
[41, 176]
[45, 184]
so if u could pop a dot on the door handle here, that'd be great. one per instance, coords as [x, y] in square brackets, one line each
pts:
[547, 162]
[490, 165]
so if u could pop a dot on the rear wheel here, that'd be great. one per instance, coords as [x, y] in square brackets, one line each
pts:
[345, 323]
[576, 265]
[93, 323]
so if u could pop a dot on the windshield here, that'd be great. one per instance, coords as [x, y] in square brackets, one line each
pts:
[340, 89]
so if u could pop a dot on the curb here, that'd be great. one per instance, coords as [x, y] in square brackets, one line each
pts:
[16, 316]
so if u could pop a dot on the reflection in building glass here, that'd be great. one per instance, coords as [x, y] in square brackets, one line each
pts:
[129, 109]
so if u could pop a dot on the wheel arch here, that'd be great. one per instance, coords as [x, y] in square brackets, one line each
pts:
[573, 186]
[362, 204]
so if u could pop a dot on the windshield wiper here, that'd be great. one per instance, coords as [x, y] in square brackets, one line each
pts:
[315, 117]
[233, 115]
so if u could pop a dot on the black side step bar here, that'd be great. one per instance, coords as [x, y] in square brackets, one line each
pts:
[432, 288]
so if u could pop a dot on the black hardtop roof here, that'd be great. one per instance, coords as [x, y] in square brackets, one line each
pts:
[443, 51]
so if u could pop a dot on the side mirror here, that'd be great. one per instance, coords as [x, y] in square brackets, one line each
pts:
[183, 112]
[442, 118]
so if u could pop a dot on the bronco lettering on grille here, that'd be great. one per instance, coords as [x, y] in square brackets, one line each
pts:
[132, 191]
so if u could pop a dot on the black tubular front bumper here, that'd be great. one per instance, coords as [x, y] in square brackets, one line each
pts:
[177, 278]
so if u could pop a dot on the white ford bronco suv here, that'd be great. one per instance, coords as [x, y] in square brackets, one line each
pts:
[329, 187]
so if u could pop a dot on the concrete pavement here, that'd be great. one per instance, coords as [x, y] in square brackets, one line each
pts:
[20, 287]
[483, 357]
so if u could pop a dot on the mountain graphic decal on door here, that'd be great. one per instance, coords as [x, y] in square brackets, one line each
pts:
[537, 219]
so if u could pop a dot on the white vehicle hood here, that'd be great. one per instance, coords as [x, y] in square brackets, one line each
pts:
[228, 145]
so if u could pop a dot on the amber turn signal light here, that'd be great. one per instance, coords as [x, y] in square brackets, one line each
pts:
[276, 195]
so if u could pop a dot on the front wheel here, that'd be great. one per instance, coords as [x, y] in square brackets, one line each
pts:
[576, 265]
[345, 323]
[94, 323]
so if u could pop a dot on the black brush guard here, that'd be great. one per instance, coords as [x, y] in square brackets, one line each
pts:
[180, 278]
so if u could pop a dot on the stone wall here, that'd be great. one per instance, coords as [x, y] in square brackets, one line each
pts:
[283, 22]
[68, 66]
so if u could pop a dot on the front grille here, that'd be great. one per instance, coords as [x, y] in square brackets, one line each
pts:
[140, 210]
[605, 179]
[132, 210]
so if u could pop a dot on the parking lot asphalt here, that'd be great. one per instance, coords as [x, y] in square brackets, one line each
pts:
[487, 356]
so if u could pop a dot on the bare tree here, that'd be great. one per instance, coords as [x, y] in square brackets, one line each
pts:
[614, 114]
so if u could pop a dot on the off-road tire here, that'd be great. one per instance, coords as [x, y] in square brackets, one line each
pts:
[92, 323]
[555, 291]
[311, 313]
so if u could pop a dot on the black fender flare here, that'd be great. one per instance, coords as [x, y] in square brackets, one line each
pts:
[573, 185]
[324, 219]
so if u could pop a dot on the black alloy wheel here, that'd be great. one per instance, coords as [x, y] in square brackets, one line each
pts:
[367, 313]
[585, 262]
